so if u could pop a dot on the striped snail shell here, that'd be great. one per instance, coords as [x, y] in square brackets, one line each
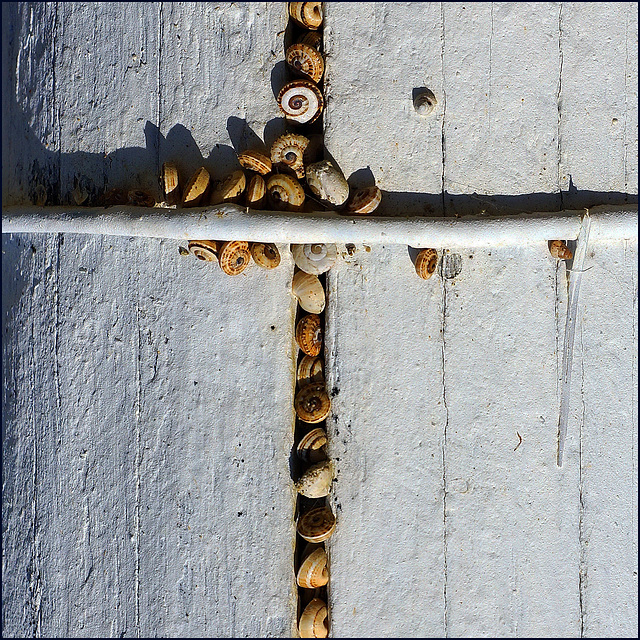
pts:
[204, 249]
[560, 251]
[306, 14]
[230, 189]
[313, 621]
[256, 192]
[364, 200]
[311, 447]
[255, 161]
[314, 258]
[310, 370]
[170, 183]
[309, 291]
[426, 263]
[234, 257]
[316, 480]
[311, 38]
[265, 255]
[140, 198]
[284, 192]
[289, 150]
[327, 183]
[312, 403]
[196, 188]
[317, 524]
[305, 61]
[309, 334]
[301, 101]
[313, 572]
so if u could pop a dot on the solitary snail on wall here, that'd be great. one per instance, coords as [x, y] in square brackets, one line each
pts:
[426, 263]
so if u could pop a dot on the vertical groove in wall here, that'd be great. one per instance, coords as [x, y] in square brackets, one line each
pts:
[444, 467]
[159, 91]
[559, 104]
[626, 104]
[582, 575]
[137, 412]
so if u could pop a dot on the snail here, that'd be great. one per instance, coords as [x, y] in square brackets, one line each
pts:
[313, 621]
[317, 524]
[314, 258]
[306, 61]
[309, 291]
[306, 14]
[265, 255]
[309, 334]
[311, 38]
[310, 370]
[256, 192]
[425, 102]
[364, 200]
[170, 183]
[316, 480]
[255, 161]
[312, 403]
[313, 572]
[301, 101]
[426, 263]
[196, 188]
[204, 249]
[560, 251]
[289, 150]
[284, 192]
[234, 257]
[140, 198]
[311, 447]
[230, 189]
[327, 183]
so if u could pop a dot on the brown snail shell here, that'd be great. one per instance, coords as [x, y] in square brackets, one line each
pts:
[234, 257]
[316, 480]
[305, 61]
[310, 370]
[311, 38]
[289, 150]
[560, 251]
[306, 14]
[327, 183]
[309, 334]
[310, 448]
[284, 192]
[256, 192]
[301, 101]
[314, 258]
[265, 255]
[313, 572]
[313, 621]
[426, 263]
[317, 524]
[255, 161]
[204, 249]
[170, 183]
[312, 403]
[230, 189]
[364, 200]
[140, 198]
[309, 291]
[196, 188]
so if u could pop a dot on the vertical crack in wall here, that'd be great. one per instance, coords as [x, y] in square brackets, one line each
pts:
[625, 149]
[137, 413]
[56, 341]
[559, 104]
[489, 116]
[444, 110]
[444, 468]
[582, 575]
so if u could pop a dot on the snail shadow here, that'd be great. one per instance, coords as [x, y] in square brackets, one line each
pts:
[243, 137]
[279, 76]
[361, 179]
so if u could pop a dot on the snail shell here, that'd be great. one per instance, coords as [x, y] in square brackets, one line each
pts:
[234, 257]
[170, 183]
[364, 200]
[305, 61]
[313, 571]
[204, 249]
[310, 370]
[314, 258]
[312, 403]
[426, 263]
[316, 480]
[425, 102]
[140, 198]
[255, 161]
[327, 183]
[306, 14]
[560, 251]
[313, 39]
[309, 291]
[310, 448]
[284, 192]
[256, 192]
[196, 187]
[317, 524]
[313, 621]
[309, 334]
[266, 255]
[301, 101]
[231, 188]
[289, 150]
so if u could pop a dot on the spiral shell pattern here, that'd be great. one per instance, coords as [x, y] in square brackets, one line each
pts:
[364, 200]
[426, 263]
[316, 480]
[313, 621]
[310, 448]
[284, 192]
[310, 370]
[170, 183]
[317, 524]
[305, 61]
[314, 258]
[306, 14]
[313, 572]
[255, 161]
[196, 188]
[425, 102]
[312, 403]
[265, 254]
[301, 101]
[204, 249]
[289, 150]
[311, 38]
[560, 251]
[309, 291]
[234, 257]
[309, 334]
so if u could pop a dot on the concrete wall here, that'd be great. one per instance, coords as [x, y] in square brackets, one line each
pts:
[147, 407]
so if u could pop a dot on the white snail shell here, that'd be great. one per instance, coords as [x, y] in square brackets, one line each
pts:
[289, 150]
[425, 102]
[316, 480]
[309, 291]
[327, 183]
[314, 258]
[206, 250]
[301, 101]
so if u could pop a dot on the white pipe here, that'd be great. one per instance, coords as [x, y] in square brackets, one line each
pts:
[232, 222]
